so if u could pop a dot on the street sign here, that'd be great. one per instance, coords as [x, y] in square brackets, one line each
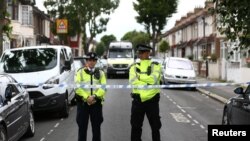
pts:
[61, 26]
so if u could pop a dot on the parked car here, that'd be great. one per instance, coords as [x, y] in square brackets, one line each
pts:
[237, 109]
[35, 66]
[178, 70]
[16, 117]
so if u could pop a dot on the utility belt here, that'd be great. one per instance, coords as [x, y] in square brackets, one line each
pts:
[137, 97]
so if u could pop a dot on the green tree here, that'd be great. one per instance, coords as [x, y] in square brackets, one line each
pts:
[88, 14]
[153, 14]
[234, 20]
[100, 48]
[106, 39]
[5, 28]
[164, 46]
[136, 37]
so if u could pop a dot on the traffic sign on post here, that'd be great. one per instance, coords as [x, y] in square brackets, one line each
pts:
[61, 26]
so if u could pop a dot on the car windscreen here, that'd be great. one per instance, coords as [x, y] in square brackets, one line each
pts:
[120, 53]
[179, 64]
[29, 60]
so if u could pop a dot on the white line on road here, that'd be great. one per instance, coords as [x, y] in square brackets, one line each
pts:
[57, 124]
[189, 116]
[42, 139]
[183, 111]
[174, 103]
[202, 126]
[50, 131]
[195, 121]
[179, 117]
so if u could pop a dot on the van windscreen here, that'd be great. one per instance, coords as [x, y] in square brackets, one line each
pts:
[29, 60]
[120, 53]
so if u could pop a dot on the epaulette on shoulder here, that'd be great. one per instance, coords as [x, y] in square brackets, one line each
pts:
[80, 69]
[155, 63]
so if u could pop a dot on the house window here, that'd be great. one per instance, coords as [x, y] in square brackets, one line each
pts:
[13, 9]
[26, 15]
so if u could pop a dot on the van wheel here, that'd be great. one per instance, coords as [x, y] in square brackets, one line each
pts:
[65, 110]
[31, 129]
[3, 134]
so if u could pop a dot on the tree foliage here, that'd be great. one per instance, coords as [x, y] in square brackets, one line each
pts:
[5, 27]
[100, 48]
[106, 39]
[153, 14]
[234, 20]
[89, 17]
[164, 46]
[136, 37]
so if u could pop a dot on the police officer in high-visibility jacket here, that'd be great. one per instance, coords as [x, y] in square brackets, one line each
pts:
[90, 100]
[145, 101]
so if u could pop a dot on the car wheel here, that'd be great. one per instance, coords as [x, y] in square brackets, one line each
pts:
[65, 110]
[31, 129]
[3, 134]
[225, 120]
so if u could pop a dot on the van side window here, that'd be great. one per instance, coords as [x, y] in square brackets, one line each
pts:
[62, 60]
[65, 52]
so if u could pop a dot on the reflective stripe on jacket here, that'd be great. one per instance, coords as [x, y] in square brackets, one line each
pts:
[82, 77]
[138, 75]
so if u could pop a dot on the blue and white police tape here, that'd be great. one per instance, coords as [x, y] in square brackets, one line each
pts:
[47, 86]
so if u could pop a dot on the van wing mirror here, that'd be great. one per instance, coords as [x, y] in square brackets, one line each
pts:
[67, 65]
[8, 93]
[239, 90]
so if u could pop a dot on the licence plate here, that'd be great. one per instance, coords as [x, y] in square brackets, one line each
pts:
[120, 72]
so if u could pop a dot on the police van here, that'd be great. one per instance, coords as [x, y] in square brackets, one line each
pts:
[120, 57]
[47, 72]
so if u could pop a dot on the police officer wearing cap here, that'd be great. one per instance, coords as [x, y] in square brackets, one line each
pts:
[145, 101]
[90, 100]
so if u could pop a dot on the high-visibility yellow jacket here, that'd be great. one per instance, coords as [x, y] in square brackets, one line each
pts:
[138, 75]
[83, 77]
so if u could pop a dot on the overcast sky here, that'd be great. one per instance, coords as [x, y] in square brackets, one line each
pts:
[123, 18]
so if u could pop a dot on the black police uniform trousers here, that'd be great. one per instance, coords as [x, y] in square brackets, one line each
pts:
[84, 112]
[151, 109]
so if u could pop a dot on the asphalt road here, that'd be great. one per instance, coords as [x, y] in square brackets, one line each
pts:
[184, 115]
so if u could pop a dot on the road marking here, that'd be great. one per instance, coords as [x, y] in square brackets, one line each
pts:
[183, 111]
[179, 117]
[189, 116]
[57, 124]
[42, 139]
[170, 99]
[179, 106]
[50, 131]
[174, 103]
[195, 121]
[202, 126]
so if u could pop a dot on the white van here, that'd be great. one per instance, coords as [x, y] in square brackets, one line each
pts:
[119, 58]
[38, 65]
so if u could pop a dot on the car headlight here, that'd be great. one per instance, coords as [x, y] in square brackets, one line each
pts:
[169, 76]
[110, 65]
[51, 82]
[193, 78]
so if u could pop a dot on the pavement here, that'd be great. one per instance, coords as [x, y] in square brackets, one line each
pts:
[219, 93]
